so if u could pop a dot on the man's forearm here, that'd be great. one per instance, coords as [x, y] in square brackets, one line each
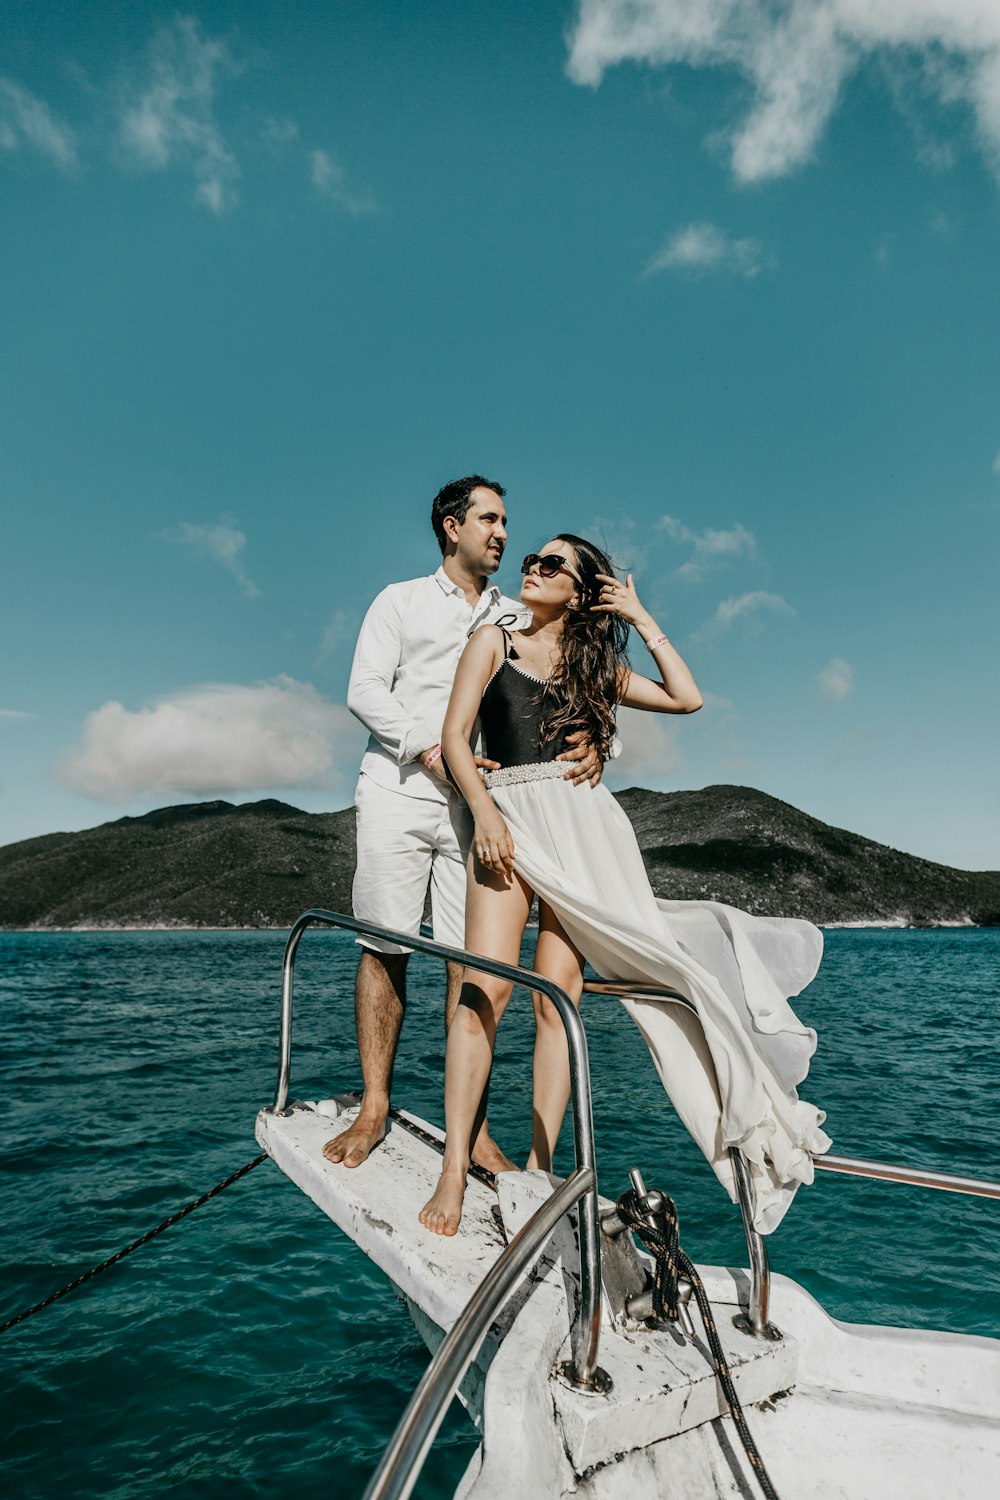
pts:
[403, 736]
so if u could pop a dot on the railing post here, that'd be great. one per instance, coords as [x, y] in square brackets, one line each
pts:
[760, 1273]
[587, 1327]
[285, 1031]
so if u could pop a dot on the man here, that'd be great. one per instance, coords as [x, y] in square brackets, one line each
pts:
[413, 827]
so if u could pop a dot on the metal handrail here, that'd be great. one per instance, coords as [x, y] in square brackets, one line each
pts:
[403, 1459]
[882, 1171]
[587, 1325]
[760, 1271]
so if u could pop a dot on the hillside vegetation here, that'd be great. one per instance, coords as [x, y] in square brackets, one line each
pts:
[210, 864]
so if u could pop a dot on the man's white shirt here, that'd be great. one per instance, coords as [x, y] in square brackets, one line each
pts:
[403, 670]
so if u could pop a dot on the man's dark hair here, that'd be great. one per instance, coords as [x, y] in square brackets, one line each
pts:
[453, 500]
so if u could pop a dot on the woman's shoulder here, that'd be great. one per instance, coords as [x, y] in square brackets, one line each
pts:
[489, 643]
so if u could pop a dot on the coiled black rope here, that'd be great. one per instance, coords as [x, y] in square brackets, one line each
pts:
[669, 1264]
[143, 1239]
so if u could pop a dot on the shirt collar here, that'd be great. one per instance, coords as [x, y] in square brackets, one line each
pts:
[490, 594]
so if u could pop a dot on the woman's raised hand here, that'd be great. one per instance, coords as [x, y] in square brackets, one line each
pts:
[617, 598]
[493, 844]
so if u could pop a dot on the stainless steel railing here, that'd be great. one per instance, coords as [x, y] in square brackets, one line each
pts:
[402, 1461]
[587, 1325]
[883, 1171]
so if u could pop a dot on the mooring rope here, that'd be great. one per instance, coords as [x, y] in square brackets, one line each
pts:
[143, 1239]
[670, 1263]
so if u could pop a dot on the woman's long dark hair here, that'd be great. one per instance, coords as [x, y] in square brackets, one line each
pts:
[586, 683]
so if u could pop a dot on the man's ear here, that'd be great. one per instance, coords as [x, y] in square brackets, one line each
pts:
[451, 528]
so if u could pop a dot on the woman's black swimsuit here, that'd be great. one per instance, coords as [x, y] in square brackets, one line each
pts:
[512, 712]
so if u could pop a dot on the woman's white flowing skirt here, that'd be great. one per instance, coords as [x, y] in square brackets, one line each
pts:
[731, 1072]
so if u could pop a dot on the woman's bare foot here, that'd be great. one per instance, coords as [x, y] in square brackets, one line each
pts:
[357, 1142]
[442, 1214]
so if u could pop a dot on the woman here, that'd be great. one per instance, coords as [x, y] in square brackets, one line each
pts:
[731, 1071]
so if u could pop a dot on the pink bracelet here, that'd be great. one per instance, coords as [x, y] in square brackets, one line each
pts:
[431, 756]
[661, 640]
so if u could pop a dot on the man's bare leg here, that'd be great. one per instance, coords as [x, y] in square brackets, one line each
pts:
[485, 1152]
[379, 1003]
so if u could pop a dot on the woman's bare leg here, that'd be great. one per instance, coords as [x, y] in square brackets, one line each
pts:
[495, 916]
[557, 958]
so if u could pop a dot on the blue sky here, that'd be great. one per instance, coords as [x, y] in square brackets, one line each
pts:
[718, 284]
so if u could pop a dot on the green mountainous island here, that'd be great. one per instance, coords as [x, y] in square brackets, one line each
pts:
[211, 864]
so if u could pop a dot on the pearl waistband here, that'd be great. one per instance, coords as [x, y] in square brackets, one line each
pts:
[543, 770]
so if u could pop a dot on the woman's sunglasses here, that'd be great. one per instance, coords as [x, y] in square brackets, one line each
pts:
[549, 564]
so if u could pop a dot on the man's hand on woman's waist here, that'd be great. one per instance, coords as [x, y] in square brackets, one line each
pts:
[585, 763]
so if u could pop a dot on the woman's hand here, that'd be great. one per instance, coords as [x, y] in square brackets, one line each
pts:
[493, 844]
[618, 598]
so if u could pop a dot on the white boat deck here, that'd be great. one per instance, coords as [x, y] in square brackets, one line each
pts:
[840, 1412]
[377, 1205]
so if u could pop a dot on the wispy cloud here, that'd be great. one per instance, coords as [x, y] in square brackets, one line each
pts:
[620, 537]
[214, 739]
[342, 627]
[168, 116]
[836, 681]
[751, 609]
[703, 247]
[15, 713]
[27, 122]
[278, 131]
[330, 181]
[996, 464]
[711, 547]
[223, 544]
[797, 56]
[167, 112]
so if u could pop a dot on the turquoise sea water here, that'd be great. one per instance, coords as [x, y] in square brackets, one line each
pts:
[252, 1350]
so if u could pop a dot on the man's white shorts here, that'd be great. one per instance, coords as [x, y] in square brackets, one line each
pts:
[403, 843]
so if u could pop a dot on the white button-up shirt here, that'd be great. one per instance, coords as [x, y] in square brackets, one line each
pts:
[404, 667]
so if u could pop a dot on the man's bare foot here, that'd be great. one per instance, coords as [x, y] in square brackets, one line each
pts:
[487, 1154]
[442, 1214]
[357, 1142]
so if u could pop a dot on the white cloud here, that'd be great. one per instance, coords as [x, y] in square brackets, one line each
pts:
[15, 713]
[216, 738]
[747, 607]
[330, 181]
[797, 55]
[650, 750]
[836, 680]
[27, 121]
[223, 544]
[169, 118]
[996, 464]
[703, 247]
[711, 546]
